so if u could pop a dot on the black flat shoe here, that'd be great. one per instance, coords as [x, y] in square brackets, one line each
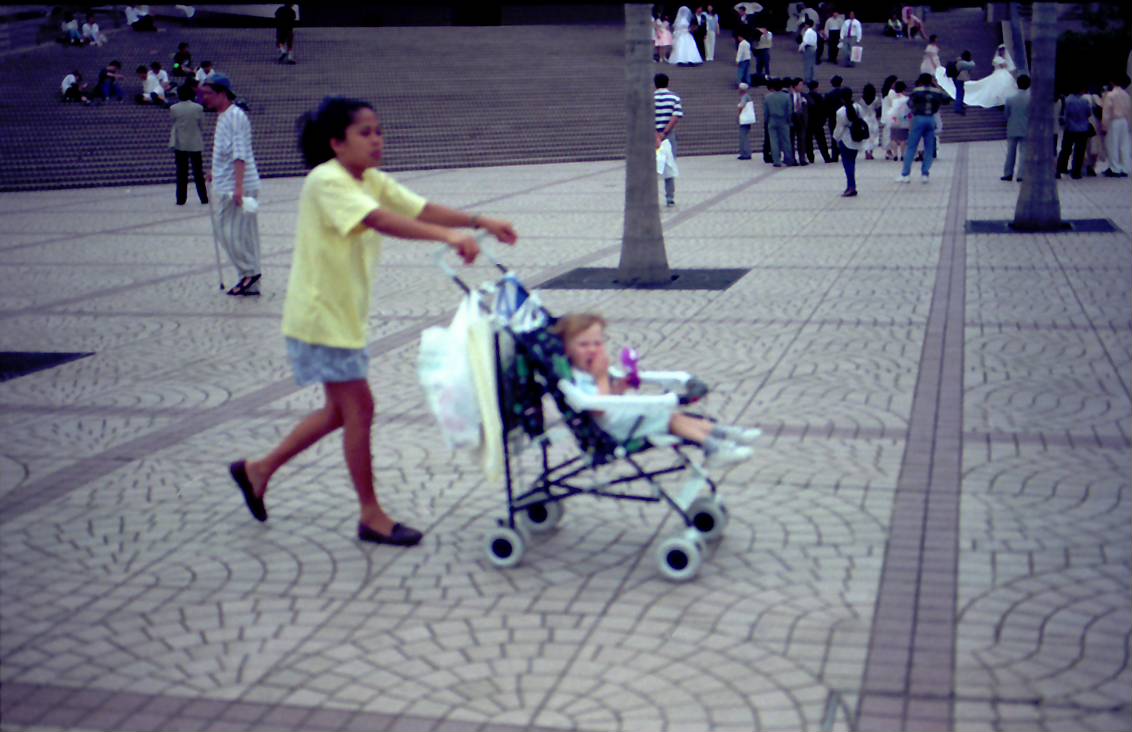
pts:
[239, 472]
[400, 536]
[246, 286]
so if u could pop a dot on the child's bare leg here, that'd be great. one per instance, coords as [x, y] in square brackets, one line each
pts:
[690, 428]
[354, 402]
[707, 433]
[313, 428]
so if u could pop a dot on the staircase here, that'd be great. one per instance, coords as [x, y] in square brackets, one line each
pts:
[448, 97]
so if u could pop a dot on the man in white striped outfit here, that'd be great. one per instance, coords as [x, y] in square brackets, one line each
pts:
[669, 112]
[235, 184]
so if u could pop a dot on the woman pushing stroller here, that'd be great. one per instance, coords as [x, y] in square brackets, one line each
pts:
[344, 207]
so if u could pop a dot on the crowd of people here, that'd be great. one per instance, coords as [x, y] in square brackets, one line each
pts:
[901, 121]
[157, 86]
[187, 90]
[891, 121]
[897, 119]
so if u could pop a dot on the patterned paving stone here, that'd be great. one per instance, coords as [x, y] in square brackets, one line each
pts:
[136, 592]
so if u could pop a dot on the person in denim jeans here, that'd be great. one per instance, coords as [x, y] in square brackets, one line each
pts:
[847, 146]
[1078, 129]
[924, 102]
[109, 81]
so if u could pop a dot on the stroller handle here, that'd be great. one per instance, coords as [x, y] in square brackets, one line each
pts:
[481, 241]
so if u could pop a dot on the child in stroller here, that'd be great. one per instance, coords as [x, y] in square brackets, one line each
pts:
[583, 335]
[537, 355]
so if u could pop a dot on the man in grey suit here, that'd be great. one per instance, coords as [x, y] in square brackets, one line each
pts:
[187, 142]
[1017, 125]
[777, 110]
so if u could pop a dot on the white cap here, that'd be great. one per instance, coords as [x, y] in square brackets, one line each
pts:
[743, 86]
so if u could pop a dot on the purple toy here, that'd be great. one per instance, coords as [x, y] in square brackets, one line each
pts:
[630, 359]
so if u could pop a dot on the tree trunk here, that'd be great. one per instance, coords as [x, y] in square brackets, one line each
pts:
[643, 258]
[1038, 207]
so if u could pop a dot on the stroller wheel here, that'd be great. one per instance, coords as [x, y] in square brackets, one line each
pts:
[709, 517]
[679, 557]
[542, 517]
[505, 547]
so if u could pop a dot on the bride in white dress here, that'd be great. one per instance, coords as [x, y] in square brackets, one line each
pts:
[684, 49]
[989, 91]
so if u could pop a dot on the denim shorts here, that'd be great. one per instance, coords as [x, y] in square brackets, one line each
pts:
[315, 364]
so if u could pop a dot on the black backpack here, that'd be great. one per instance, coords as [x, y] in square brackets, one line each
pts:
[858, 128]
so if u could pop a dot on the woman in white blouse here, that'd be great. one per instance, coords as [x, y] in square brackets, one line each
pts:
[846, 144]
[931, 56]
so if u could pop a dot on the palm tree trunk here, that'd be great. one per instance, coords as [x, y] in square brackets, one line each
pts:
[1039, 208]
[643, 258]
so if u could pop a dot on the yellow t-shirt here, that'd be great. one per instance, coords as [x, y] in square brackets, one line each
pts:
[328, 295]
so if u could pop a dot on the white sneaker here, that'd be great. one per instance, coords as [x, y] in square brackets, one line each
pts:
[742, 435]
[728, 454]
[925, 179]
[903, 179]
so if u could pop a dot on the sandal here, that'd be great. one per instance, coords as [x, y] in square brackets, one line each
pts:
[244, 285]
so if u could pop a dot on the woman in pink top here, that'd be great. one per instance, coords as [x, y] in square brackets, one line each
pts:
[663, 40]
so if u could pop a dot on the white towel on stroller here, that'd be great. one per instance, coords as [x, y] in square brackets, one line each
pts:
[481, 358]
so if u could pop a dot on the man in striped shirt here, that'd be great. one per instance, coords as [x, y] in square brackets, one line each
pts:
[669, 111]
[235, 183]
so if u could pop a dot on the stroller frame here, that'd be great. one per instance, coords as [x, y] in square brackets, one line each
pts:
[539, 508]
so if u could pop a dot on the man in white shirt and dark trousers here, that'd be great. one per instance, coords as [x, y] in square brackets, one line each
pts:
[833, 34]
[235, 184]
[809, 50]
[743, 57]
[669, 112]
[850, 36]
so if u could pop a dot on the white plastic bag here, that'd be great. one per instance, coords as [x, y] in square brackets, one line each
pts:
[445, 373]
[666, 161]
[747, 116]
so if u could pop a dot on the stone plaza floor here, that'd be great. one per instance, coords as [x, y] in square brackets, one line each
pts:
[934, 532]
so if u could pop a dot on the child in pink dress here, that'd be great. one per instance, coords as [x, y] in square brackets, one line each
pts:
[663, 40]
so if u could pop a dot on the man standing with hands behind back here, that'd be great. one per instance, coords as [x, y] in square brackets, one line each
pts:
[1017, 125]
[188, 144]
[669, 112]
[235, 182]
[777, 111]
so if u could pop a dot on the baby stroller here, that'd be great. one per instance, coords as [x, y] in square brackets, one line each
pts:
[529, 363]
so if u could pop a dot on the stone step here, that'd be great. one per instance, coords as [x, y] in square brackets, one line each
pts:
[506, 95]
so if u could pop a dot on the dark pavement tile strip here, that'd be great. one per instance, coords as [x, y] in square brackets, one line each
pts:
[908, 678]
[45, 705]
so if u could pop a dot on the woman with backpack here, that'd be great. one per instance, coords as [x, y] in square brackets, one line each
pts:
[850, 133]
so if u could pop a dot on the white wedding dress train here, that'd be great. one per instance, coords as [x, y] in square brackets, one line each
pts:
[989, 91]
